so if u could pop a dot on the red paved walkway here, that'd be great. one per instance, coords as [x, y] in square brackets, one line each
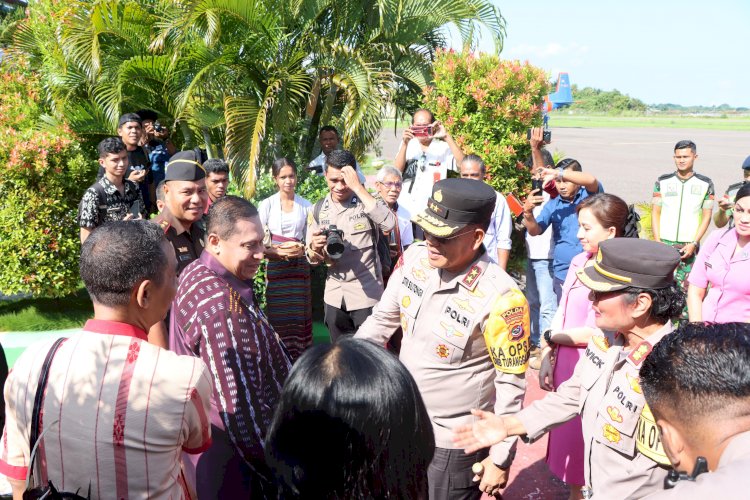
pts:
[530, 478]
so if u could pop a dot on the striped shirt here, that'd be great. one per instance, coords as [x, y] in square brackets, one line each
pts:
[117, 413]
[214, 317]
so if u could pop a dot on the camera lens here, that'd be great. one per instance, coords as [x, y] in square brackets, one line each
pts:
[334, 243]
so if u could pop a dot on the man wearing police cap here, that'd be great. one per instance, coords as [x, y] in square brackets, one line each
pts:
[634, 297]
[185, 197]
[466, 333]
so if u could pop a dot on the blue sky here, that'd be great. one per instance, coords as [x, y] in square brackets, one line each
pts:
[687, 52]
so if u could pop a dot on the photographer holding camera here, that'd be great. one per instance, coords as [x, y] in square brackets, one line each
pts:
[343, 230]
[423, 160]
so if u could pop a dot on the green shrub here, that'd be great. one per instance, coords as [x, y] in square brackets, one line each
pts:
[488, 104]
[43, 177]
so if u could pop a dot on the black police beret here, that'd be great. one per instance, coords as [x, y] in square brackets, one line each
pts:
[185, 166]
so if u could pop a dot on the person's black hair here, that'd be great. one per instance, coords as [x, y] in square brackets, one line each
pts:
[423, 110]
[743, 191]
[224, 214]
[110, 145]
[475, 159]
[215, 166]
[280, 163]
[354, 402]
[686, 145]
[569, 164]
[612, 211]
[118, 256]
[147, 114]
[129, 117]
[700, 370]
[666, 303]
[160, 194]
[339, 158]
[328, 128]
[546, 158]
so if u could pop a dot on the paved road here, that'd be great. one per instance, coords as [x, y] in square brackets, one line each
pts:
[628, 160]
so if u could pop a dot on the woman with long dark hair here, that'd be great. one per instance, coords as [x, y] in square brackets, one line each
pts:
[288, 294]
[351, 424]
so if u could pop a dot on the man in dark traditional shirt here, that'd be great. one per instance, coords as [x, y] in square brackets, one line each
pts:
[215, 317]
[112, 197]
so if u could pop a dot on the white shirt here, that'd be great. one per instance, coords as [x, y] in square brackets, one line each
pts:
[541, 246]
[271, 216]
[404, 227]
[438, 159]
[501, 225]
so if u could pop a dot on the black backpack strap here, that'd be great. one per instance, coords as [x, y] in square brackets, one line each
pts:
[39, 397]
[101, 197]
[317, 208]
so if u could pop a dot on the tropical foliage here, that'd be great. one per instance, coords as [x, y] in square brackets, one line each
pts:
[488, 104]
[591, 100]
[40, 186]
[250, 80]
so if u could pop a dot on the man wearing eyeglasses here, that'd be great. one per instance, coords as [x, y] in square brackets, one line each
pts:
[389, 185]
[465, 333]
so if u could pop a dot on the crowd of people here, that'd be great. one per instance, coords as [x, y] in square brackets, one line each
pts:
[181, 386]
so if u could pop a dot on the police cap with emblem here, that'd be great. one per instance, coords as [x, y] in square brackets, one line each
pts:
[626, 262]
[454, 204]
[746, 164]
[185, 166]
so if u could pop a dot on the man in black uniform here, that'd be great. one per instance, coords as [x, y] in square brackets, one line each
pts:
[185, 197]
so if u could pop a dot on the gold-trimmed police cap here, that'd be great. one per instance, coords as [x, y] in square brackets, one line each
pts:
[185, 166]
[454, 204]
[625, 262]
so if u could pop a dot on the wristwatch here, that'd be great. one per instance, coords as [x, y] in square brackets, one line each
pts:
[548, 337]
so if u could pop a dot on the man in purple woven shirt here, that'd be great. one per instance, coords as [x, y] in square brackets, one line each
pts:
[215, 317]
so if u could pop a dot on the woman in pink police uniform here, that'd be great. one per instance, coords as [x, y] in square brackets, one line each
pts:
[719, 290]
[600, 217]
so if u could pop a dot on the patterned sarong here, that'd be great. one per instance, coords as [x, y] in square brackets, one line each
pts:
[289, 302]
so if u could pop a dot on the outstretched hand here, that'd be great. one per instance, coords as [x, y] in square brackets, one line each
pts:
[487, 429]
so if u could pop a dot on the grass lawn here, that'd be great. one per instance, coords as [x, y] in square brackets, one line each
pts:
[38, 315]
[562, 119]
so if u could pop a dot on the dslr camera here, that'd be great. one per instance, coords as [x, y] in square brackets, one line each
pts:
[334, 242]
[158, 127]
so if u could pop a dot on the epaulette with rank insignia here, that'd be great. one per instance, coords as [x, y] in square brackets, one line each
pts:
[164, 225]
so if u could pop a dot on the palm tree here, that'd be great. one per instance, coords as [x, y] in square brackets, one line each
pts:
[239, 75]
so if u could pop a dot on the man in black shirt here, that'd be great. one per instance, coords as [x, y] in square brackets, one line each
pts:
[110, 198]
[130, 128]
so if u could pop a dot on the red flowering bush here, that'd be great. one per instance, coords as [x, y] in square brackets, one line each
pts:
[488, 104]
[42, 178]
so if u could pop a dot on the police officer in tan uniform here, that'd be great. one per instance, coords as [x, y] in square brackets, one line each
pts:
[634, 294]
[465, 333]
[697, 384]
[185, 197]
[355, 280]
